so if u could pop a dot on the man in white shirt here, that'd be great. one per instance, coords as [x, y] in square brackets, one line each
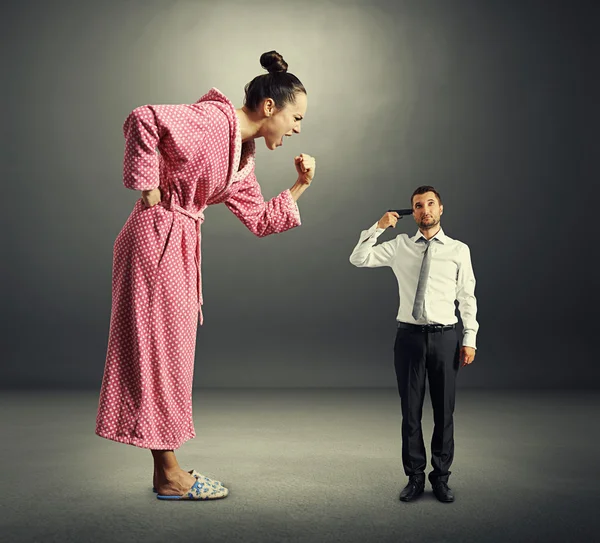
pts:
[433, 271]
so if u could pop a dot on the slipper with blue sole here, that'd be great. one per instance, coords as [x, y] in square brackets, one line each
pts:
[199, 492]
[201, 478]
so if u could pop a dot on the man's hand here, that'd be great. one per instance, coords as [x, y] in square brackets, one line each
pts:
[467, 355]
[151, 197]
[389, 219]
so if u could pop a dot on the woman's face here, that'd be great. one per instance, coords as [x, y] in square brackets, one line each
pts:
[283, 122]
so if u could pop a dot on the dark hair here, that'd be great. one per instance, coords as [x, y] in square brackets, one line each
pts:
[278, 84]
[422, 190]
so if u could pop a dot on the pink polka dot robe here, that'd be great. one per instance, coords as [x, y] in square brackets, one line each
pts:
[194, 153]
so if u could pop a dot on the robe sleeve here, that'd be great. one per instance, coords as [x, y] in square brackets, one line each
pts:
[176, 131]
[262, 218]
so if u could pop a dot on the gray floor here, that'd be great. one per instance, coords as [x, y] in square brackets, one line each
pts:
[305, 466]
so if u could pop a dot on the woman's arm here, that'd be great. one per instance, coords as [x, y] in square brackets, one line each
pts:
[176, 130]
[278, 214]
[140, 162]
[262, 217]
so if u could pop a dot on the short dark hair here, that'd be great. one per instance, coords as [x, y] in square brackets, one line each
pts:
[279, 84]
[422, 190]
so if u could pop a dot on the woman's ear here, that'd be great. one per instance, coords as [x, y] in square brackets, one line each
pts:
[268, 107]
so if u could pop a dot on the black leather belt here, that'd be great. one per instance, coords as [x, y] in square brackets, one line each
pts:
[423, 328]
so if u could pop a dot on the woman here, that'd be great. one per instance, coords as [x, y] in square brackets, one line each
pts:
[184, 158]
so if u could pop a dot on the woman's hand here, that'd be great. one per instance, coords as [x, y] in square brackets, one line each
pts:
[305, 166]
[151, 197]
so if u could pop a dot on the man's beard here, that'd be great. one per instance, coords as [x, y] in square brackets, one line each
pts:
[429, 226]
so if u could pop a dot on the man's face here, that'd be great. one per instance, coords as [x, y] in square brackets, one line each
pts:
[427, 210]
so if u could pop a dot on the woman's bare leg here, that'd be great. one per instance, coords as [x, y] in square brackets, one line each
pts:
[169, 478]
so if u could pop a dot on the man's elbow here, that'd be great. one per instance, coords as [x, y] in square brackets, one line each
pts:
[357, 261]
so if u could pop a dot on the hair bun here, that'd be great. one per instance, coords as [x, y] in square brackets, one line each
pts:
[273, 62]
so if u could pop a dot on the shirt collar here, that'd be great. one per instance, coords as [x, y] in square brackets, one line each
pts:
[440, 236]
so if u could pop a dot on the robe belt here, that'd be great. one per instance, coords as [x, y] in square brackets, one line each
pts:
[199, 218]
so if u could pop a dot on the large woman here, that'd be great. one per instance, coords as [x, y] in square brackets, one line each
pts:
[184, 158]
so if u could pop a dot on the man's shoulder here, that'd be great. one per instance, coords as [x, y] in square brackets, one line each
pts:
[460, 248]
[456, 242]
[402, 238]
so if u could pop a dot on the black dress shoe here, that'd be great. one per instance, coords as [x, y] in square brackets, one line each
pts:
[413, 489]
[442, 492]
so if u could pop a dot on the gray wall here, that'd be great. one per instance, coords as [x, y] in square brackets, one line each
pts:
[494, 103]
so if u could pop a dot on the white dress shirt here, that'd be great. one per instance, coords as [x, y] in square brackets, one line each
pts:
[451, 276]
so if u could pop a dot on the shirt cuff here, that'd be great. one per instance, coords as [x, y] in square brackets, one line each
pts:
[469, 340]
[374, 230]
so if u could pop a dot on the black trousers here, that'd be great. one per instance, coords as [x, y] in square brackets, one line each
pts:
[435, 354]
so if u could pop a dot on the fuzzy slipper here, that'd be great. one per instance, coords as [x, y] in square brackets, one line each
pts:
[202, 478]
[199, 491]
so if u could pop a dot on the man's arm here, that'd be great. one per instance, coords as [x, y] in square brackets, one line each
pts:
[365, 254]
[465, 295]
